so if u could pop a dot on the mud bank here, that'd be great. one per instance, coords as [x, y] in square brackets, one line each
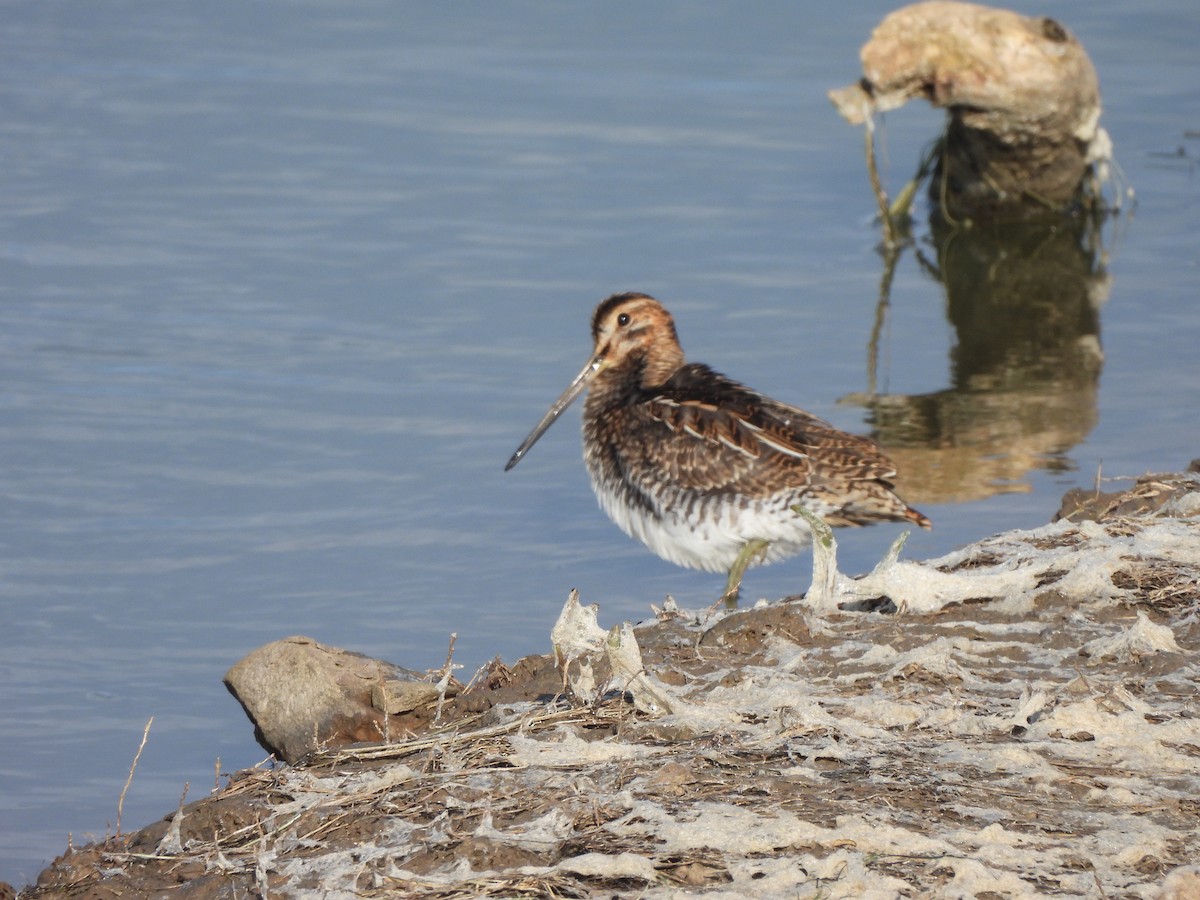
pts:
[1019, 717]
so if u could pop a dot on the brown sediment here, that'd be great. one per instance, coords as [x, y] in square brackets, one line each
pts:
[1041, 740]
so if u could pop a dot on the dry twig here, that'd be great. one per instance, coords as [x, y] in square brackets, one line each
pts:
[132, 769]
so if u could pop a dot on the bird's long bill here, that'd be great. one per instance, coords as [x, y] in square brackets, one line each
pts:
[573, 390]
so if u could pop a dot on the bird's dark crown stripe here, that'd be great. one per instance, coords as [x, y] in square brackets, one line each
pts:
[607, 306]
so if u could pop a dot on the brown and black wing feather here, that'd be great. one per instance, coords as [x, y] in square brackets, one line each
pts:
[727, 438]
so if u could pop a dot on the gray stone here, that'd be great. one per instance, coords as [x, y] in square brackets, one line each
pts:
[303, 696]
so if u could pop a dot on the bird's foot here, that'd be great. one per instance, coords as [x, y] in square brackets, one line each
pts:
[753, 551]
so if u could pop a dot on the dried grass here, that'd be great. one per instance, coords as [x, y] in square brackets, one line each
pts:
[1166, 587]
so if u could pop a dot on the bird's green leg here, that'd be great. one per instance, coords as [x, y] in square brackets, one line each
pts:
[753, 551]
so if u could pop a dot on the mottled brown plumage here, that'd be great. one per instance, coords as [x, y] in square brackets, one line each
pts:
[702, 469]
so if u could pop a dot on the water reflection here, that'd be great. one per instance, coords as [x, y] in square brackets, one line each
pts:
[1024, 301]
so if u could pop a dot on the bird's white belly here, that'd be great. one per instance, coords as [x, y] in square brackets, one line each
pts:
[708, 533]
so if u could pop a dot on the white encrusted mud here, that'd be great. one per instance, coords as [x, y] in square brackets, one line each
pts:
[1018, 718]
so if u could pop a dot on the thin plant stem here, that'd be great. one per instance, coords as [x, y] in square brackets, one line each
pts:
[132, 769]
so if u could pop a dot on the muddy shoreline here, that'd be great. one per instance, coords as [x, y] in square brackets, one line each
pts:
[1043, 739]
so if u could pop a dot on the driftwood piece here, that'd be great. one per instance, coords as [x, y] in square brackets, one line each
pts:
[1022, 98]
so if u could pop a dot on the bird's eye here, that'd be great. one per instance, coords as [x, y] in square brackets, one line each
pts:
[623, 319]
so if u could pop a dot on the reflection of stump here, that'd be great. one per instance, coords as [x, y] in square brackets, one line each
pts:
[1024, 301]
[1022, 97]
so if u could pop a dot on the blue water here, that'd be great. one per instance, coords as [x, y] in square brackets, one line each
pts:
[285, 284]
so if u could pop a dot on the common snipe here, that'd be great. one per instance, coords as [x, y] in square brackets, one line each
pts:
[701, 469]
